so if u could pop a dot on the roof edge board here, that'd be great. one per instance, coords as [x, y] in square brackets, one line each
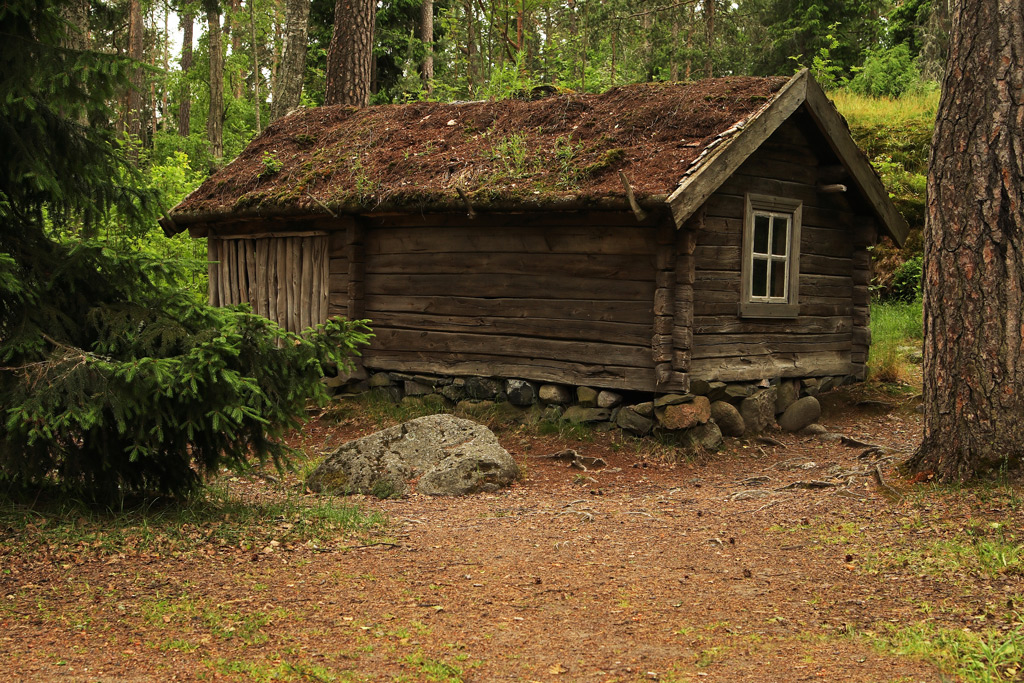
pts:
[695, 189]
[837, 133]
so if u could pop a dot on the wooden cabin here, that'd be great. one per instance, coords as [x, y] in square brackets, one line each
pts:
[631, 240]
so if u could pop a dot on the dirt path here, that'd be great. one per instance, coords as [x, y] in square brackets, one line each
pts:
[641, 571]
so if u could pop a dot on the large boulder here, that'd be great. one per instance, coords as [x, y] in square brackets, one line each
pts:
[449, 456]
[800, 414]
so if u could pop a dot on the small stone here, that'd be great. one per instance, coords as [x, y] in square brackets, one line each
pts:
[814, 429]
[787, 393]
[686, 415]
[520, 392]
[380, 379]
[672, 399]
[801, 414]
[414, 388]
[809, 385]
[585, 415]
[705, 437]
[483, 388]
[555, 393]
[715, 392]
[454, 392]
[828, 384]
[393, 394]
[552, 413]
[608, 399]
[645, 409]
[728, 418]
[586, 397]
[758, 410]
[631, 421]
[699, 387]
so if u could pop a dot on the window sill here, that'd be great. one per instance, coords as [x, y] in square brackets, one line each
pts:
[764, 310]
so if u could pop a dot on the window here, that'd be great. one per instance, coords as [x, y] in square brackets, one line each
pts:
[771, 258]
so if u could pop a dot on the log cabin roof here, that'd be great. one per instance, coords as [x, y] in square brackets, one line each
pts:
[671, 143]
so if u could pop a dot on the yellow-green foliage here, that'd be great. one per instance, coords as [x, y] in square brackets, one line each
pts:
[896, 135]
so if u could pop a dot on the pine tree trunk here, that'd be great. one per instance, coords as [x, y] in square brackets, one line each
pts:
[427, 36]
[235, 25]
[132, 114]
[292, 69]
[674, 68]
[258, 105]
[185, 108]
[709, 28]
[215, 120]
[974, 250]
[351, 53]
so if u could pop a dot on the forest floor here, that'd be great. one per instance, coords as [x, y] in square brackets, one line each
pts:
[721, 568]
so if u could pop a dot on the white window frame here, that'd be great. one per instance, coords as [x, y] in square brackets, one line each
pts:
[767, 306]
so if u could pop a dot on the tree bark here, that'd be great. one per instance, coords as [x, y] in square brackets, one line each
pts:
[709, 27]
[974, 250]
[350, 54]
[132, 103]
[674, 67]
[255, 68]
[233, 24]
[427, 37]
[185, 108]
[215, 120]
[292, 69]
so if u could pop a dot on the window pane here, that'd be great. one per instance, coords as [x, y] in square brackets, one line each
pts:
[759, 275]
[778, 279]
[760, 234]
[780, 235]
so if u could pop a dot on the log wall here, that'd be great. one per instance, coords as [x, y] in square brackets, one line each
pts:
[562, 299]
[284, 278]
[830, 334]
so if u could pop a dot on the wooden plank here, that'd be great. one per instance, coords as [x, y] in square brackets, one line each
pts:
[663, 304]
[337, 243]
[306, 283]
[682, 338]
[579, 330]
[862, 336]
[861, 295]
[538, 370]
[663, 324]
[272, 283]
[295, 285]
[752, 349]
[702, 307]
[485, 285]
[262, 297]
[267, 235]
[713, 324]
[323, 280]
[861, 316]
[250, 267]
[492, 221]
[224, 279]
[212, 270]
[810, 364]
[243, 272]
[521, 239]
[511, 346]
[515, 307]
[608, 266]
[338, 266]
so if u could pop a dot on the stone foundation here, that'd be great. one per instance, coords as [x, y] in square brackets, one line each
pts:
[698, 418]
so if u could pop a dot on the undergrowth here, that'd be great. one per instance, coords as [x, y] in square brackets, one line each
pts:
[897, 331]
[220, 515]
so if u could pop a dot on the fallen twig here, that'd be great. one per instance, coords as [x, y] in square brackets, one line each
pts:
[884, 486]
[811, 484]
[584, 515]
[763, 507]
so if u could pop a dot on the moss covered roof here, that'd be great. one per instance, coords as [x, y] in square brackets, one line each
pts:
[563, 147]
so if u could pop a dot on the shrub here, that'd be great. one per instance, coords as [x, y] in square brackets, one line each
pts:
[887, 72]
[117, 383]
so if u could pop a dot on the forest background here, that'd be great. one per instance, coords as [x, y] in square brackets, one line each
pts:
[880, 60]
[116, 376]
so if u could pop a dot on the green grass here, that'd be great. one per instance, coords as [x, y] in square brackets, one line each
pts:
[977, 656]
[895, 328]
[877, 111]
[219, 515]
